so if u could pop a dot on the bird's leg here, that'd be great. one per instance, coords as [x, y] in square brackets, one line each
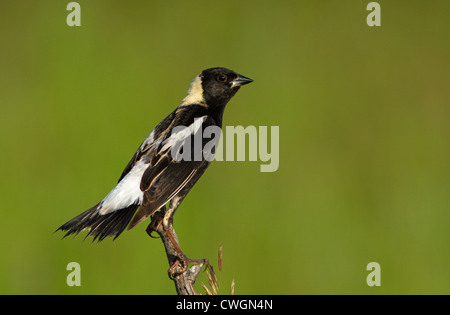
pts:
[157, 218]
[162, 223]
[181, 262]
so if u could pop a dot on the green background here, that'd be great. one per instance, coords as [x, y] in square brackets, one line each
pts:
[364, 126]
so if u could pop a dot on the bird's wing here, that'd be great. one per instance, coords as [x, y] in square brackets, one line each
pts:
[151, 142]
[166, 176]
[164, 184]
[127, 191]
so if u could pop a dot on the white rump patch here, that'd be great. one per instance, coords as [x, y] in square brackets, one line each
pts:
[127, 192]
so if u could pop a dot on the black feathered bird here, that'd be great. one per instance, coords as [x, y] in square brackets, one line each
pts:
[155, 176]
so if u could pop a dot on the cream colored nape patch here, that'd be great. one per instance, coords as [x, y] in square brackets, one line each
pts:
[195, 93]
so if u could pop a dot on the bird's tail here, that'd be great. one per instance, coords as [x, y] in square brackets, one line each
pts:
[100, 226]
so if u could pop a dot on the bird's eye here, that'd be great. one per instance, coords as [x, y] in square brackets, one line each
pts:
[222, 77]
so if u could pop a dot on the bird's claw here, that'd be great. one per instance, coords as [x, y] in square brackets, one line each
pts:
[181, 264]
[154, 224]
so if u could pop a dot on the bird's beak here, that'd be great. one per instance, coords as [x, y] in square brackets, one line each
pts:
[240, 80]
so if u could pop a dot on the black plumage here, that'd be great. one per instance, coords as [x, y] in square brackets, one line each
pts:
[153, 177]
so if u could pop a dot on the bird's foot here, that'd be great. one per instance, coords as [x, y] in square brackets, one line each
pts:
[181, 265]
[179, 262]
[156, 221]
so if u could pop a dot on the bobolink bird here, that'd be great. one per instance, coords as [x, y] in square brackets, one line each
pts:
[154, 176]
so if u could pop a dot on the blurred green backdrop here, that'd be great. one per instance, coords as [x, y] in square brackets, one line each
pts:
[364, 142]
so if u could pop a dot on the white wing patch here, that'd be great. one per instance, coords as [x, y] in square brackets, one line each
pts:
[180, 133]
[127, 192]
[148, 141]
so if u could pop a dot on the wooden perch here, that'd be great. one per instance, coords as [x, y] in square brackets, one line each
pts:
[183, 277]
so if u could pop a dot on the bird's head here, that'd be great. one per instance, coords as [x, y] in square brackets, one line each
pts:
[214, 87]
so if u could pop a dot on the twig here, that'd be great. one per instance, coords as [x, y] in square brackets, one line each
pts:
[183, 277]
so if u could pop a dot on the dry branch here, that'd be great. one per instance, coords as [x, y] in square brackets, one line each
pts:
[179, 271]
